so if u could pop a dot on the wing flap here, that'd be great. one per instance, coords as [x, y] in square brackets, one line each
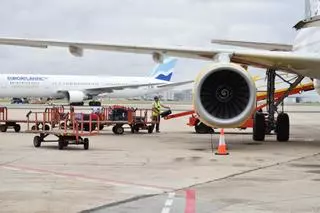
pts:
[255, 45]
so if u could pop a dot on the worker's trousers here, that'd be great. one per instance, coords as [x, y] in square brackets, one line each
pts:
[156, 122]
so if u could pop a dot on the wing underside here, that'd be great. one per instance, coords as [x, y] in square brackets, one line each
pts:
[292, 62]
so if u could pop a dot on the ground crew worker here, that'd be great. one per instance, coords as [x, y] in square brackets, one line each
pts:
[156, 109]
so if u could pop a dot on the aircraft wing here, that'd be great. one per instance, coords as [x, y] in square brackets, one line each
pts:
[255, 45]
[175, 84]
[99, 90]
[305, 64]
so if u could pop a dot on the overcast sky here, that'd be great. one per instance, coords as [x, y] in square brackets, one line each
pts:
[161, 22]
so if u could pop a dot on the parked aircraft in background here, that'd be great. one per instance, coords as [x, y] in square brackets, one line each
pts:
[78, 88]
[225, 94]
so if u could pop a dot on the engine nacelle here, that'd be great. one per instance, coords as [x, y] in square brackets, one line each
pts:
[76, 96]
[224, 96]
[158, 57]
[316, 84]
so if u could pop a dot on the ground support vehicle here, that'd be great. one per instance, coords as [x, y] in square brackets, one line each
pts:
[121, 116]
[75, 135]
[51, 119]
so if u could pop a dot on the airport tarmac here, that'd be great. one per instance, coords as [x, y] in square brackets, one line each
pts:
[172, 171]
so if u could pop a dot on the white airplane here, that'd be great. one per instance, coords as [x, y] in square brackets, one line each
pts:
[224, 93]
[77, 88]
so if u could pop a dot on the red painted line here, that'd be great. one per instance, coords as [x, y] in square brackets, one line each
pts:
[190, 201]
[70, 175]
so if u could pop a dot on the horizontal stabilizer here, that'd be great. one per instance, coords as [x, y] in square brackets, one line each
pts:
[255, 45]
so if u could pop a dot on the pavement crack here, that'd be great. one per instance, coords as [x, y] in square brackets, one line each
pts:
[136, 198]
[251, 170]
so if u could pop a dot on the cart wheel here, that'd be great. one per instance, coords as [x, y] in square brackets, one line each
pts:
[65, 143]
[34, 127]
[46, 127]
[86, 143]
[136, 128]
[118, 130]
[61, 144]
[101, 127]
[62, 125]
[17, 128]
[37, 141]
[150, 129]
[3, 128]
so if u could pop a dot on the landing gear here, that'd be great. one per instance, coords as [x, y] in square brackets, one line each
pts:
[259, 127]
[283, 127]
[94, 103]
[266, 123]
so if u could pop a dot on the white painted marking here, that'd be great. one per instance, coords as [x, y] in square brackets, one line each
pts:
[168, 203]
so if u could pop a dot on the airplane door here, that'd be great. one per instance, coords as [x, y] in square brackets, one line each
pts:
[3, 84]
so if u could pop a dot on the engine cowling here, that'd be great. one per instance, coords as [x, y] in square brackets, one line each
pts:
[316, 84]
[158, 57]
[75, 96]
[224, 96]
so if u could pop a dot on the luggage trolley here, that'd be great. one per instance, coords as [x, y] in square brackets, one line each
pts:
[142, 120]
[75, 134]
[51, 119]
[5, 123]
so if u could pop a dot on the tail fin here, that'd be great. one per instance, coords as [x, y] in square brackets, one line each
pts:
[312, 8]
[164, 70]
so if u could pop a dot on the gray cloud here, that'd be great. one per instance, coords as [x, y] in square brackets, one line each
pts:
[166, 22]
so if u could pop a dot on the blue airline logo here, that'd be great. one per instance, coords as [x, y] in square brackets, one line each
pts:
[164, 70]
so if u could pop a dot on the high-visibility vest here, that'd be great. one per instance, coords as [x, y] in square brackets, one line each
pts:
[157, 107]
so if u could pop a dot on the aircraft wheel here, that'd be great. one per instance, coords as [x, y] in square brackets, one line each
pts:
[94, 103]
[283, 127]
[259, 127]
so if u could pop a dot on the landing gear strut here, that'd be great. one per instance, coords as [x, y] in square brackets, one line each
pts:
[265, 123]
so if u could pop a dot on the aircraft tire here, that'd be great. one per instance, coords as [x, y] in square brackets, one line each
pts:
[283, 127]
[259, 127]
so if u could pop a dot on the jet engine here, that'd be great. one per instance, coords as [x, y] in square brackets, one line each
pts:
[224, 96]
[76, 96]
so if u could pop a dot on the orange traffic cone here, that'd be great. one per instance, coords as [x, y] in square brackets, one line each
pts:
[222, 148]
